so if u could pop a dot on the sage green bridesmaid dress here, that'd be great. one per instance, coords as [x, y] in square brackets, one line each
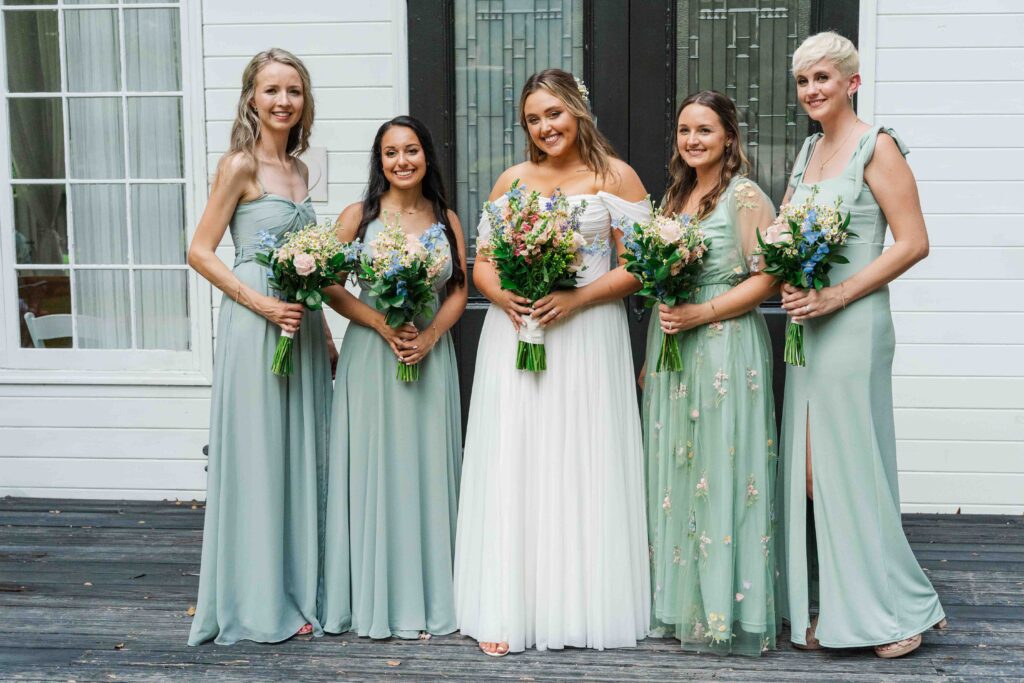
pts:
[395, 459]
[262, 536]
[709, 437]
[870, 587]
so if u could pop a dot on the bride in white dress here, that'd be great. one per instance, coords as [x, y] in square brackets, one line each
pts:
[551, 548]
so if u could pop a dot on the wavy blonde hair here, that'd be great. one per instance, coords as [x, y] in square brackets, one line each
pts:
[245, 131]
[593, 146]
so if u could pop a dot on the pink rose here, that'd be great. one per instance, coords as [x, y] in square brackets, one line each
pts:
[304, 264]
[414, 246]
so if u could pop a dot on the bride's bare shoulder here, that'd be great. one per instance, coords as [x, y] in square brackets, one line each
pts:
[622, 181]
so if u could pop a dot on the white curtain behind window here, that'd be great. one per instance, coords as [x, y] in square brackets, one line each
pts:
[97, 132]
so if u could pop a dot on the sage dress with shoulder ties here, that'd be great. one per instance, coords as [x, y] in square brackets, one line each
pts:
[871, 590]
[262, 547]
[709, 437]
[395, 458]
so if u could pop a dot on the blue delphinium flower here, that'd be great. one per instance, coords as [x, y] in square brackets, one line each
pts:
[401, 288]
[266, 239]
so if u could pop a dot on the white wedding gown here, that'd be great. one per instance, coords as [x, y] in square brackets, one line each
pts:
[551, 548]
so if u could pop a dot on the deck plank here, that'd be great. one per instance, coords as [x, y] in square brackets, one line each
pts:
[141, 563]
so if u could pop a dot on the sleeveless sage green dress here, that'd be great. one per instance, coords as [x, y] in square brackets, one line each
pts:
[709, 437]
[395, 459]
[262, 539]
[870, 587]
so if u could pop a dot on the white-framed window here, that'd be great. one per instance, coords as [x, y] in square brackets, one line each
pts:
[97, 189]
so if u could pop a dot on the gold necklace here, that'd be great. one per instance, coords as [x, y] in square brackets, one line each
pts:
[821, 166]
[408, 212]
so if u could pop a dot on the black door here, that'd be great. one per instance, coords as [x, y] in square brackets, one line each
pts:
[468, 60]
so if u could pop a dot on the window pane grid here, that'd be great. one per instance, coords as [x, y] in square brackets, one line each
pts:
[86, 8]
[105, 292]
[98, 93]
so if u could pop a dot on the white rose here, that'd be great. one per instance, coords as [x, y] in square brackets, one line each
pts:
[668, 229]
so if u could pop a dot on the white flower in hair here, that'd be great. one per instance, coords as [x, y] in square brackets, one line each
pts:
[582, 87]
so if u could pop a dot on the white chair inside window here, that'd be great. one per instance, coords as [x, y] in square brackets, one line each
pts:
[58, 326]
[43, 328]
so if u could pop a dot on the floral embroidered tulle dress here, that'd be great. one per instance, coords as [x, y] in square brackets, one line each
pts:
[709, 437]
[394, 464]
[871, 590]
[268, 449]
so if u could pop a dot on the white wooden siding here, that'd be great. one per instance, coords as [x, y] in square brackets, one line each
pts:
[143, 441]
[948, 76]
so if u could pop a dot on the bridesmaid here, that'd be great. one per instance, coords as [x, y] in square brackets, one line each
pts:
[709, 430]
[395, 448]
[268, 434]
[838, 439]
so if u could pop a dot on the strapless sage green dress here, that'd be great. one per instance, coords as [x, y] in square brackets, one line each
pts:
[262, 539]
[871, 589]
[395, 461]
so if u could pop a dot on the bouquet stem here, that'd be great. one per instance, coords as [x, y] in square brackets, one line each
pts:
[669, 359]
[794, 351]
[407, 372]
[530, 352]
[282, 364]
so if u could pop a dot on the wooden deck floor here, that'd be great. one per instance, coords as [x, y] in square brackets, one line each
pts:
[100, 591]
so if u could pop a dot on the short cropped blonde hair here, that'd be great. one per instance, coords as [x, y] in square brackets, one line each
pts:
[827, 45]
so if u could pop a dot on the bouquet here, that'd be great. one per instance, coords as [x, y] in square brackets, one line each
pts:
[307, 261]
[665, 254]
[536, 248]
[400, 272]
[800, 248]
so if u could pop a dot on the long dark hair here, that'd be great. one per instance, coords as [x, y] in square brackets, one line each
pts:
[593, 146]
[432, 187]
[684, 178]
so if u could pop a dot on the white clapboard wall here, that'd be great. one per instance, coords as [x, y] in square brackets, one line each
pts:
[948, 76]
[144, 441]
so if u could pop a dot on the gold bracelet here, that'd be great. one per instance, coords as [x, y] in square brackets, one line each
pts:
[713, 309]
[842, 293]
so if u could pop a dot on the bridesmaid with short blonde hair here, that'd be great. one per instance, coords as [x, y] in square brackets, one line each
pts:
[838, 437]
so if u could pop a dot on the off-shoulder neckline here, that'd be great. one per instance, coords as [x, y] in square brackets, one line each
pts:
[587, 194]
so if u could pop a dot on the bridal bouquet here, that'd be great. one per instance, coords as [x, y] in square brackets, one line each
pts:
[800, 248]
[400, 272]
[536, 247]
[665, 254]
[298, 269]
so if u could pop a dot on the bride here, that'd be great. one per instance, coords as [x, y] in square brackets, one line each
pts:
[551, 549]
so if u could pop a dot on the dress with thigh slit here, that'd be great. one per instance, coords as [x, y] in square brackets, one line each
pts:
[871, 589]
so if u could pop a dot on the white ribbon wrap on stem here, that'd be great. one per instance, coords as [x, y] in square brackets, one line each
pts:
[530, 331]
[290, 335]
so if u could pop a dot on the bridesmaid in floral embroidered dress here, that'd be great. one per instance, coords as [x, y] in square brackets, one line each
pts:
[262, 543]
[709, 430]
[838, 437]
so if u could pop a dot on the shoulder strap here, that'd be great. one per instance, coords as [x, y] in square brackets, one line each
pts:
[800, 164]
[867, 150]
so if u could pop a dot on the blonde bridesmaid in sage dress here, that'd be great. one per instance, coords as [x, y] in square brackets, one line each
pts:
[396, 447]
[262, 540]
[838, 436]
